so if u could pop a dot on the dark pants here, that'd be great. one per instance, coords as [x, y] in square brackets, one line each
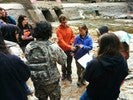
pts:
[66, 70]
[80, 72]
[52, 91]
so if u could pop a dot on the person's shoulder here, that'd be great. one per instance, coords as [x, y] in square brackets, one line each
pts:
[94, 61]
[38, 45]
[12, 20]
[13, 57]
[70, 27]
[10, 43]
[9, 57]
[32, 45]
[54, 45]
[58, 27]
[55, 48]
[77, 36]
[10, 17]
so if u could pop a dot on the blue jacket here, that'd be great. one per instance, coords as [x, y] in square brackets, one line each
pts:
[87, 45]
[11, 20]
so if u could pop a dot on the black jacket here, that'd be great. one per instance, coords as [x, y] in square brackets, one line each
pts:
[13, 75]
[105, 76]
[9, 32]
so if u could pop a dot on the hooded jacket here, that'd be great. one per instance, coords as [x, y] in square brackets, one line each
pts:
[105, 75]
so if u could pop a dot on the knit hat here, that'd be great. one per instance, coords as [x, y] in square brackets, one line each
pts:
[103, 29]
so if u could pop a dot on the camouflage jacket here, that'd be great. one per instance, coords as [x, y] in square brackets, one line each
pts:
[43, 57]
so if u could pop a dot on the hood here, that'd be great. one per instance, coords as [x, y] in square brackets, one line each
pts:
[111, 63]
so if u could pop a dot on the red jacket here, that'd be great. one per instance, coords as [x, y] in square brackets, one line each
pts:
[65, 37]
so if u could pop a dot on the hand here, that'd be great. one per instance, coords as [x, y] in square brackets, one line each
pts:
[81, 45]
[72, 54]
[23, 37]
[26, 33]
[27, 38]
[73, 48]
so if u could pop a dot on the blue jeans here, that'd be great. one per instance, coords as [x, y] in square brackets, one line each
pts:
[85, 96]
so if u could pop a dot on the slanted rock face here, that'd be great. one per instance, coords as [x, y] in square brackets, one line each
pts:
[14, 9]
[130, 5]
[93, 1]
[26, 3]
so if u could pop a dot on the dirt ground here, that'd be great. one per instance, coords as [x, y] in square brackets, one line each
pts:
[70, 91]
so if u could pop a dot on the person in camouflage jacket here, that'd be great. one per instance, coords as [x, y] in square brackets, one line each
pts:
[43, 56]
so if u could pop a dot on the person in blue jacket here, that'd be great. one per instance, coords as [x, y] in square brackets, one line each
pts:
[13, 75]
[106, 72]
[83, 44]
[5, 17]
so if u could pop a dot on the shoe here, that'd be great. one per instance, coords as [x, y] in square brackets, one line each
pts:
[30, 92]
[80, 84]
[83, 83]
[63, 77]
[69, 78]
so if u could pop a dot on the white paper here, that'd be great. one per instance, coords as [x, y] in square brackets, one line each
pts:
[85, 59]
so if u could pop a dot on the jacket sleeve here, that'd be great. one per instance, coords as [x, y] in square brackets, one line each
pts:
[22, 68]
[59, 55]
[12, 20]
[87, 72]
[72, 38]
[88, 46]
[76, 40]
[62, 42]
[90, 70]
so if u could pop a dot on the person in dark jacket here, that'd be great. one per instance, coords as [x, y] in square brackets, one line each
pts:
[10, 32]
[107, 71]
[26, 31]
[13, 75]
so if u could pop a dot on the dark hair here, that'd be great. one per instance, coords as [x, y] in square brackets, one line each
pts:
[109, 44]
[1, 9]
[103, 29]
[42, 30]
[124, 46]
[20, 20]
[3, 47]
[5, 18]
[62, 17]
[84, 27]
[9, 32]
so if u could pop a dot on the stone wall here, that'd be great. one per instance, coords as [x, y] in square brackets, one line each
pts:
[28, 7]
[25, 3]
[130, 5]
